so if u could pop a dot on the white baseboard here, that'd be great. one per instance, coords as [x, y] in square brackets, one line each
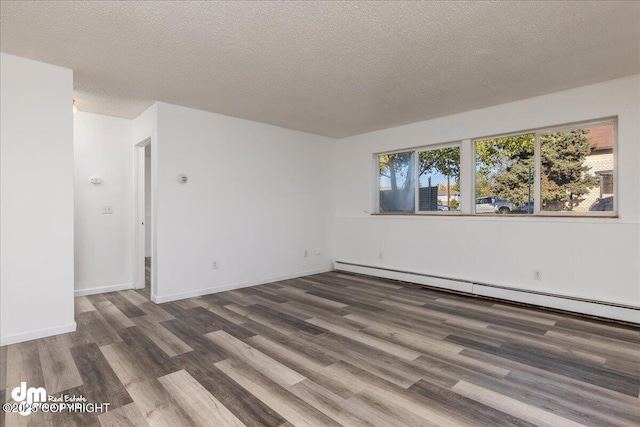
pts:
[562, 302]
[159, 299]
[103, 289]
[38, 333]
[592, 308]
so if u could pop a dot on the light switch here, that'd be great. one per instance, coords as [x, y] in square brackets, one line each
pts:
[107, 209]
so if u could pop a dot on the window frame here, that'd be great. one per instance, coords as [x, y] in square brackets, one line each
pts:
[468, 161]
[474, 172]
[416, 159]
[537, 211]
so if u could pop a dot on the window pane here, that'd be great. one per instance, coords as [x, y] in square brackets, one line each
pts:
[505, 173]
[396, 182]
[577, 169]
[439, 175]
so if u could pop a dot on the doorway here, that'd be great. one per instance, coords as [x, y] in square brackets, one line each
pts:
[144, 251]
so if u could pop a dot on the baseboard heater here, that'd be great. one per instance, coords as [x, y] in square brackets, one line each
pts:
[604, 309]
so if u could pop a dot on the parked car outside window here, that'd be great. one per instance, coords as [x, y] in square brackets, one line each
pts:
[493, 204]
[523, 208]
[604, 204]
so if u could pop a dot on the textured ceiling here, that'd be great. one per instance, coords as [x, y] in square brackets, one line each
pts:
[331, 68]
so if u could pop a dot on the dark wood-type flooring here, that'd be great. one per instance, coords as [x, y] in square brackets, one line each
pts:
[331, 349]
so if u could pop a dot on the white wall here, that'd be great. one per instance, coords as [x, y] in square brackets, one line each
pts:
[258, 196]
[589, 258]
[103, 257]
[145, 125]
[36, 236]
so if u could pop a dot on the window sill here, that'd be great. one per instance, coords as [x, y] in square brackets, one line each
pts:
[503, 216]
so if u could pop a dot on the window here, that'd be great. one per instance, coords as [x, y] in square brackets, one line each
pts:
[577, 165]
[606, 182]
[564, 170]
[438, 179]
[396, 180]
[576, 173]
[505, 173]
[437, 172]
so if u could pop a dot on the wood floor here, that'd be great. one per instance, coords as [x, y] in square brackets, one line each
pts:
[331, 349]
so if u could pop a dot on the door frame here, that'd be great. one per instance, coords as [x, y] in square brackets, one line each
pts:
[139, 218]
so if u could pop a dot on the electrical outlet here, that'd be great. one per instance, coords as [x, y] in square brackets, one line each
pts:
[537, 275]
[214, 265]
[107, 209]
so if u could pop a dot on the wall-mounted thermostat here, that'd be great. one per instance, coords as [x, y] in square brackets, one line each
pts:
[96, 180]
[182, 179]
